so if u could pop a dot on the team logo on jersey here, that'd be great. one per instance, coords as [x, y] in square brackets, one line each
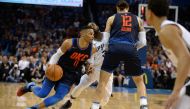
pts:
[78, 57]
[101, 47]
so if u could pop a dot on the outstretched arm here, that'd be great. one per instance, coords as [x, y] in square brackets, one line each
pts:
[89, 67]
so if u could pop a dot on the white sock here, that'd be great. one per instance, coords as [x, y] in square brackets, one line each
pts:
[143, 101]
[95, 105]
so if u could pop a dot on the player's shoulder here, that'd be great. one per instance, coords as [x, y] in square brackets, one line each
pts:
[111, 18]
[68, 42]
[169, 29]
[169, 32]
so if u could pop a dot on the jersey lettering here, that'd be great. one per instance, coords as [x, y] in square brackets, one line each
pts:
[78, 57]
[101, 47]
[126, 23]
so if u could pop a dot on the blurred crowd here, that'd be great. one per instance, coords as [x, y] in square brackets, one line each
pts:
[163, 71]
[30, 34]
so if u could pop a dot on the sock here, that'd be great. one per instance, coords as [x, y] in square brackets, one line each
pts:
[95, 105]
[30, 86]
[143, 101]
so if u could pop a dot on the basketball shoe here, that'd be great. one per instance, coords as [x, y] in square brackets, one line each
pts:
[24, 89]
[143, 107]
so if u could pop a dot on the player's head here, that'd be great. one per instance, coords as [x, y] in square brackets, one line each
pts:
[122, 5]
[87, 33]
[157, 9]
[97, 33]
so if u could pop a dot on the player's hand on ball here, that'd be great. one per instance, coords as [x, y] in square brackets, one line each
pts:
[172, 101]
[89, 68]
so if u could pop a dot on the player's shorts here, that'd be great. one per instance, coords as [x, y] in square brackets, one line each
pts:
[70, 76]
[122, 52]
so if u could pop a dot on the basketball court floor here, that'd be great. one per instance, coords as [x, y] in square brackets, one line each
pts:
[123, 98]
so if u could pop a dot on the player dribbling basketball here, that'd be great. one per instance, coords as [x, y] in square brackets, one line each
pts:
[72, 54]
[100, 42]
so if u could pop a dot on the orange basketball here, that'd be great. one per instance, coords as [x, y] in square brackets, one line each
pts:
[54, 72]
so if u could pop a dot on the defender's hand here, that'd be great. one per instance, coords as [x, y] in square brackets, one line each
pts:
[172, 101]
[89, 69]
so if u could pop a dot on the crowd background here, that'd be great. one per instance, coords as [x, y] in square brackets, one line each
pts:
[30, 34]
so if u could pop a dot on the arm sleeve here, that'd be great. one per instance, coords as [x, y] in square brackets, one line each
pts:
[55, 57]
[142, 40]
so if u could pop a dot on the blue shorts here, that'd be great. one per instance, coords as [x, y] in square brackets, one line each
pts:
[70, 76]
[122, 52]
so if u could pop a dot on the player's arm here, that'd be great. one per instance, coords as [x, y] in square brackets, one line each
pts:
[141, 36]
[109, 23]
[60, 51]
[90, 62]
[91, 59]
[94, 50]
[170, 37]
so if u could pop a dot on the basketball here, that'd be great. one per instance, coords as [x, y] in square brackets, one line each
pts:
[54, 72]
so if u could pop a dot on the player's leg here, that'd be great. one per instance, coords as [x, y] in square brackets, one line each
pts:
[61, 90]
[133, 68]
[183, 102]
[43, 91]
[108, 66]
[38, 91]
[101, 89]
[85, 81]
[108, 93]
[141, 90]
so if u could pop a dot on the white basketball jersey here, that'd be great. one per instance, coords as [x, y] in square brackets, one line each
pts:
[185, 36]
[101, 47]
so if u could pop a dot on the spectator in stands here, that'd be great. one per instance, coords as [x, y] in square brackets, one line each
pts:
[14, 74]
[1, 59]
[4, 68]
[23, 65]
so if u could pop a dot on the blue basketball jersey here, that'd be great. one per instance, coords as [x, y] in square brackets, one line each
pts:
[75, 57]
[125, 29]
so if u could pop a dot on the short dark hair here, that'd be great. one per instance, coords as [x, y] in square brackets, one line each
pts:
[122, 4]
[159, 7]
[86, 27]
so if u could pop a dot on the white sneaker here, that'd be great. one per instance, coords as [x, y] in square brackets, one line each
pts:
[95, 106]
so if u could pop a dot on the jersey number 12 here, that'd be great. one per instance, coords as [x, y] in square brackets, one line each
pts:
[126, 23]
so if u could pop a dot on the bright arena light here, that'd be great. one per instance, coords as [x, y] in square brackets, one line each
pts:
[75, 3]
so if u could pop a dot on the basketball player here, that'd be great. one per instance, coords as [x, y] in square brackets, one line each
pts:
[126, 36]
[100, 42]
[176, 42]
[72, 54]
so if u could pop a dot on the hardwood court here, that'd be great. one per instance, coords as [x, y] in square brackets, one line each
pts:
[124, 100]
